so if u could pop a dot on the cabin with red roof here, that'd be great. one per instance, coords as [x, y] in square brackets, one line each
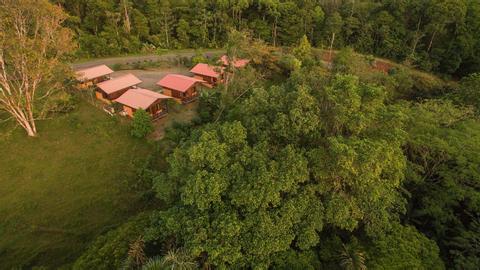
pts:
[182, 88]
[90, 76]
[138, 98]
[210, 74]
[237, 63]
[114, 88]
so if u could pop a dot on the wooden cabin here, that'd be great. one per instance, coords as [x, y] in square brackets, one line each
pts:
[90, 76]
[138, 98]
[182, 88]
[212, 75]
[237, 63]
[112, 89]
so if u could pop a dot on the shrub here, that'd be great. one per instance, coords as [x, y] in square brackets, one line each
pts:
[342, 63]
[110, 250]
[199, 57]
[290, 63]
[142, 124]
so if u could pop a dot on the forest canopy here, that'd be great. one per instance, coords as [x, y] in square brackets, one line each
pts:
[293, 161]
[436, 35]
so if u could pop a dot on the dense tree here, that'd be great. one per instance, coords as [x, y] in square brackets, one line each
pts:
[440, 35]
[251, 190]
[403, 248]
[444, 179]
[469, 91]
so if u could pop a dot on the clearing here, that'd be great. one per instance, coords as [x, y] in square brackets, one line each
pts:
[61, 190]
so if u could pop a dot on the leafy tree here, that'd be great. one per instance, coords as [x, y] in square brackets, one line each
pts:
[182, 32]
[333, 26]
[250, 189]
[403, 248]
[443, 178]
[33, 46]
[303, 51]
[470, 91]
[141, 124]
[342, 63]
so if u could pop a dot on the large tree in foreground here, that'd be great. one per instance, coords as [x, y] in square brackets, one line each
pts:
[287, 162]
[32, 45]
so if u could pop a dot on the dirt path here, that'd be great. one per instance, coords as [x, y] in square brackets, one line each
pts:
[140, 58]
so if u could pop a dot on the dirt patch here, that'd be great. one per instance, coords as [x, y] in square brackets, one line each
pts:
[152, 76]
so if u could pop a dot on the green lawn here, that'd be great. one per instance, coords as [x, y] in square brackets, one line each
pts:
[62, 189]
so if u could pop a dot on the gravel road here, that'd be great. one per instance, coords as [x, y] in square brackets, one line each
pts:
[138, 58]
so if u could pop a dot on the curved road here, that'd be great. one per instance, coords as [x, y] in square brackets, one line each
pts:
[140, 58]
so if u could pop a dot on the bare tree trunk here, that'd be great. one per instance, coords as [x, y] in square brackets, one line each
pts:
[353, 8]
[166, 28]
[331, 46]
[275, 31]
[416, 38]
[431, 40]
[128, 26]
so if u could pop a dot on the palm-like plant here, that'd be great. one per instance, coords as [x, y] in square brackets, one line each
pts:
[352, 258]
[175, 259]
[155, 263]
[179, 259]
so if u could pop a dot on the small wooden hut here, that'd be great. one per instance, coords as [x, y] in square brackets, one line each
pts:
[90, 76]
[114, 88]
[237, 63]
[182, 88]
[138, 98]
[212, 75]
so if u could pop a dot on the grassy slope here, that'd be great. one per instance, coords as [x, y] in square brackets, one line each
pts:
[60, 190]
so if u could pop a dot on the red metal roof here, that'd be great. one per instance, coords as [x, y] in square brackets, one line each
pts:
[119, 83]
[238, 63]
[92, 73]
[139, 98]
[178, 82]
[207, 70]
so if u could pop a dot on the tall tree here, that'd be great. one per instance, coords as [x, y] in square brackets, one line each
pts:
[32, 45]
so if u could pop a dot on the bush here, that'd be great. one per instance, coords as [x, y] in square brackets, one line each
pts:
[199, 57]
[290, 63]
[342, 63]
[142, 124]
[110, 251]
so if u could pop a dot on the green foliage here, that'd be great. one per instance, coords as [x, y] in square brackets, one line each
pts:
[435, 35]
[352, 257]
[110, 250]
[443, 153]
[342, 63]
[258, 185]
[141, 124]
[470, 91]
[292, 260]
[290, 63]
[199, 57]
[179, 259]
[303, 51]
[403, 248]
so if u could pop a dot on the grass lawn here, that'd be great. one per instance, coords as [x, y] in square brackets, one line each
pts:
[62, 189]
